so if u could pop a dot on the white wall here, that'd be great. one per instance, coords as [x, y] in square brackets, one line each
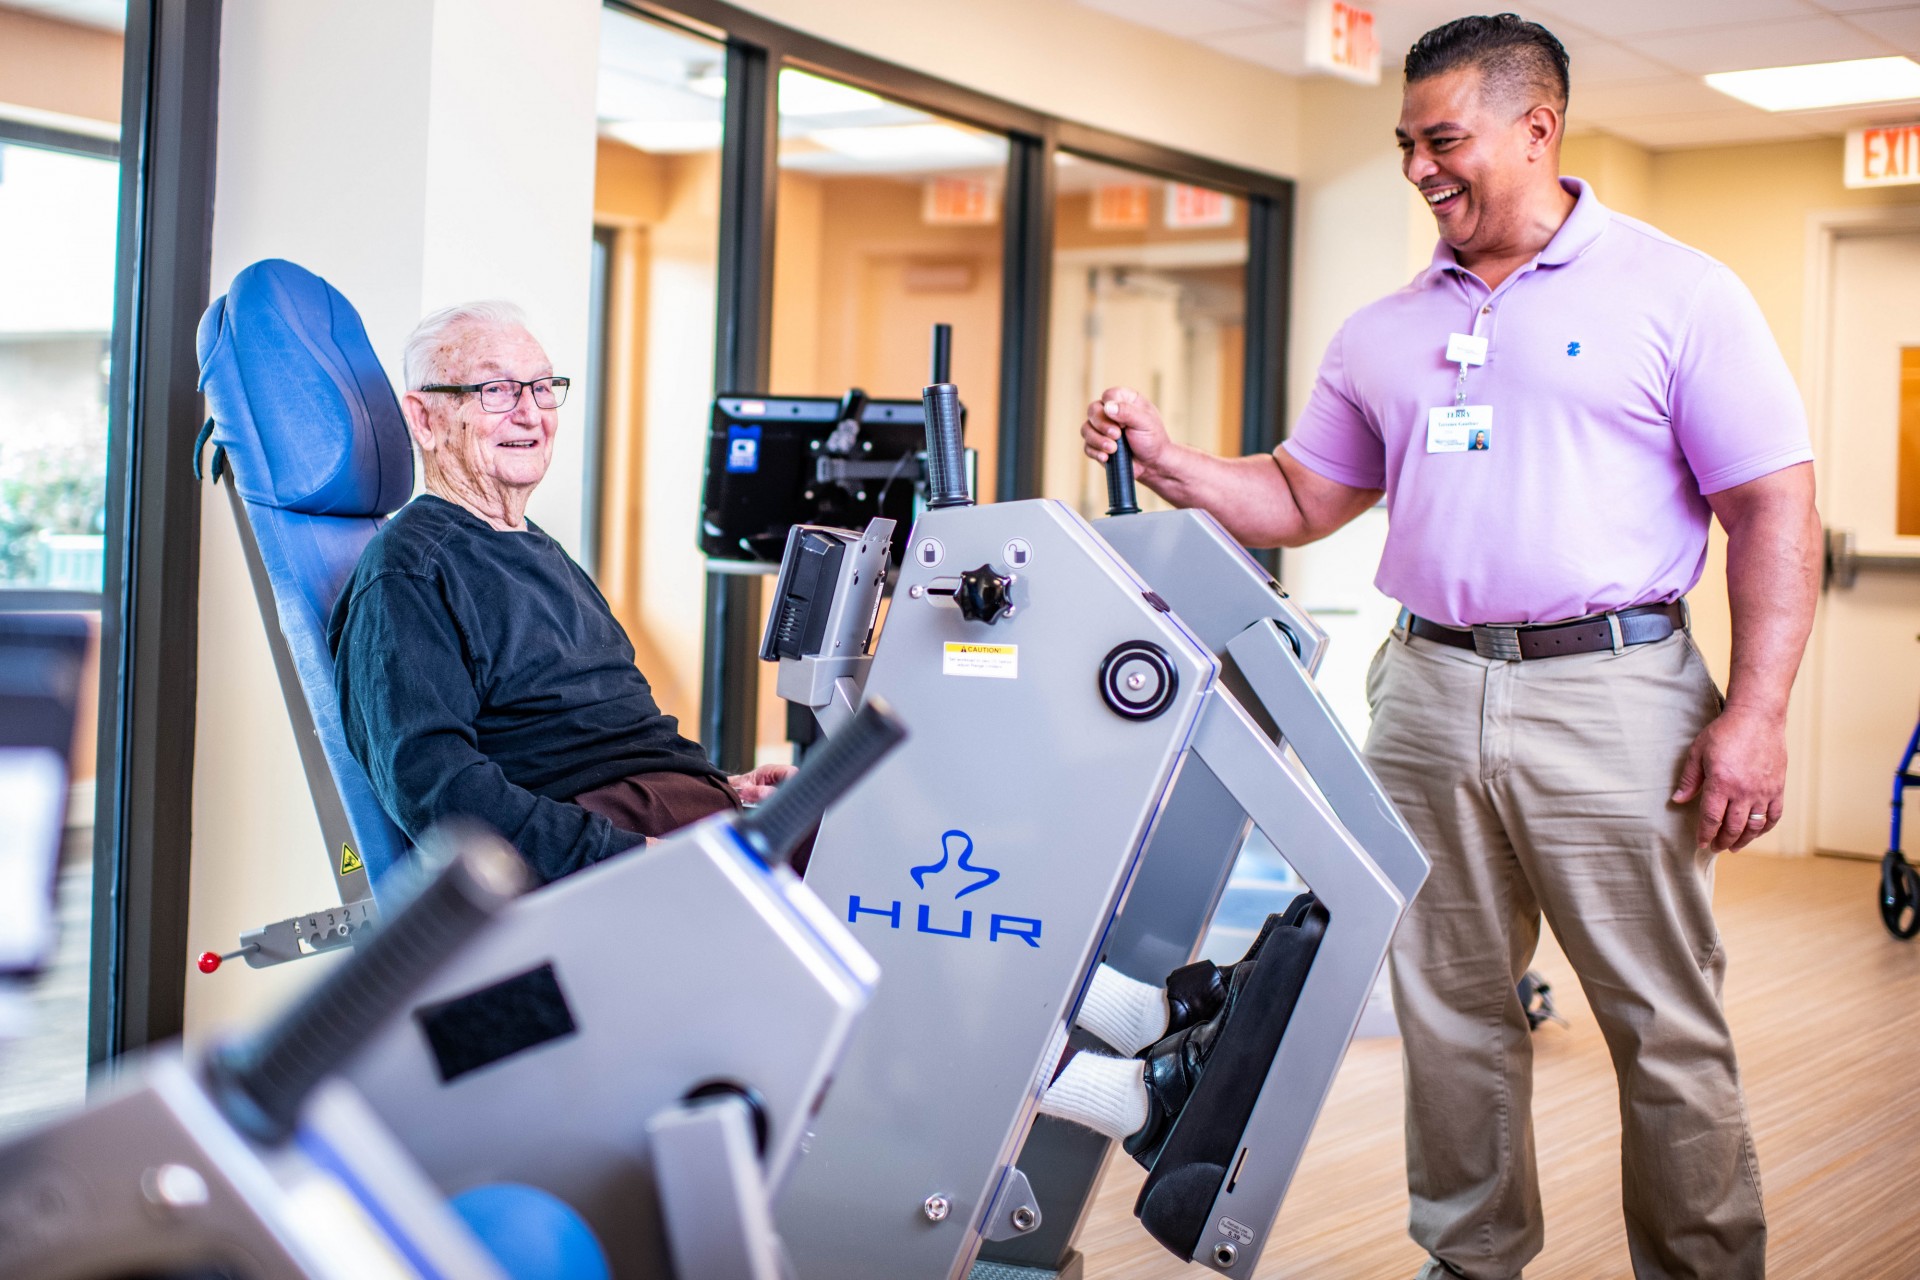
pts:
[1361, 232]
[362, 139]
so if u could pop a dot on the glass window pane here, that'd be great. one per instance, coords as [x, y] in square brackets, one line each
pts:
[59, 232]
[889, 221]
[1149, 292]
[58, 216]
[657, 211]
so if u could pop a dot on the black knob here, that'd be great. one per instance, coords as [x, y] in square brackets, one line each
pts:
[985, 596]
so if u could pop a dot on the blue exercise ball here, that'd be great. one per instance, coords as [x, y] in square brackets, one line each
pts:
[533, 1234]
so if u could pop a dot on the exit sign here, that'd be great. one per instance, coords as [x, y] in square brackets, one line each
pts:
[1883, 156]
[1342, 41]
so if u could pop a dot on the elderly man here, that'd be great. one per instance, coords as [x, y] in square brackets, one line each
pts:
[1555, 409]
[481, 673]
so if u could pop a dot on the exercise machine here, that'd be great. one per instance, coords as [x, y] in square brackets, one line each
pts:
[254, 1161]
[646, 1038]
[1079, 749]
[640, 1041]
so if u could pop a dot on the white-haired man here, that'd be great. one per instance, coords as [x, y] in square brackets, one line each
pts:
[481, 673]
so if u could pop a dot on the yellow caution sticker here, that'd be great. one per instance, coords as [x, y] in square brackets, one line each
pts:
[349, 860]
[991, 661]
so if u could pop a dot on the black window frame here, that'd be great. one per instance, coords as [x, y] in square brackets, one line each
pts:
[149, 623]
[757, 48]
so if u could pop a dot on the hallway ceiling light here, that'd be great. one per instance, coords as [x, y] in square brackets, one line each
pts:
[802, 94]
[1822, 84]
[926, 143]
[666, 137]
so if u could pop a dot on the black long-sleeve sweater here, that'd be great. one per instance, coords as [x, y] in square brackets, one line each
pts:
[482, 675]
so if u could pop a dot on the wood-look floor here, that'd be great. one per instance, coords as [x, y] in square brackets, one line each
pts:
[1825, 1008]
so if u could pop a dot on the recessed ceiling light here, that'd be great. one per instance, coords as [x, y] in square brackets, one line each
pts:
[926, 143]
[666, 137]
[1822, 84]
[802, 94]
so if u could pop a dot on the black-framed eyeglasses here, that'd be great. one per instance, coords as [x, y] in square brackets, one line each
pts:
[502, 394]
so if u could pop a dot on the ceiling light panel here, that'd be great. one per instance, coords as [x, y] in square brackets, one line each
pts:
[1823, 84]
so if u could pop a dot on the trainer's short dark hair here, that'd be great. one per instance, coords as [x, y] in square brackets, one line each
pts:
[1515, 58]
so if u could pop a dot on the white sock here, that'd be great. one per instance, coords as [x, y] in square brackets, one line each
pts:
[1107, 1095]
[1126, 1014]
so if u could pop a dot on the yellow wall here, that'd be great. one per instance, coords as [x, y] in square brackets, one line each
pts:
[1751, 207]
[62, 67]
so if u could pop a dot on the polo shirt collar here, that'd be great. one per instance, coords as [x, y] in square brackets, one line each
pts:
[1575, 236]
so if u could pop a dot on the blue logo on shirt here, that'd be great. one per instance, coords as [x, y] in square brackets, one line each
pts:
[1573, 348]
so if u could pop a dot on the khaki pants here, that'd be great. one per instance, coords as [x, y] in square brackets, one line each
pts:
[1538, 788]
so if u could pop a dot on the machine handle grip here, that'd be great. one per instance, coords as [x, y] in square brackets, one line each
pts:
[775, 829]
[946, 455]
[942, 354]
[260, 1082]
[1121, 499]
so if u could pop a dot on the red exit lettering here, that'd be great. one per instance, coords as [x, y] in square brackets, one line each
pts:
[1890, 152]
[1353, 40]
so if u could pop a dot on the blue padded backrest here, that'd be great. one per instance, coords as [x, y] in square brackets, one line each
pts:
[317, 450]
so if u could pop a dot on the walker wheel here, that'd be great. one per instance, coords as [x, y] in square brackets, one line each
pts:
[1899, 896]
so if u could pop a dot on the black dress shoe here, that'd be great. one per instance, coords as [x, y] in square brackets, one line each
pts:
[1175, 1063]
[1195, 992]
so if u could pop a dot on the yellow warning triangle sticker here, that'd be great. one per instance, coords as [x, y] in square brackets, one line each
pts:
[349, 860]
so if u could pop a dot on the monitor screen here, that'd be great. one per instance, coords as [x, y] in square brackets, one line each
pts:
[777, 461]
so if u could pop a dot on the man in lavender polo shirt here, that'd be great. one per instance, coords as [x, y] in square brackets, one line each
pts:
[1554, 411]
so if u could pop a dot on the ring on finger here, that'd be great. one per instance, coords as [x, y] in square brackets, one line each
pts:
[1757, 819]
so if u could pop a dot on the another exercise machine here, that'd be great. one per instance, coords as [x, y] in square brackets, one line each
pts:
[647, 1038]
[1078, 750]
[255, 1161]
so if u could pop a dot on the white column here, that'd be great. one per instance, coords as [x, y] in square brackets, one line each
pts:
[415, 153]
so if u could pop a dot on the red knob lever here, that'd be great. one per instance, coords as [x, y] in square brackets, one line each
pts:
[211, 960]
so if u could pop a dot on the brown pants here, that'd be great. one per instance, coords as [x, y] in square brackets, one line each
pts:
[1541, 788]
[654, 804]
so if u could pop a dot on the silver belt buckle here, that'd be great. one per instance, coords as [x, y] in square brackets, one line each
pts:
[1502, 644]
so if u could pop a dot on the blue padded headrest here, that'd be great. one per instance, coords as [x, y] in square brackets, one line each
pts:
[282, 335]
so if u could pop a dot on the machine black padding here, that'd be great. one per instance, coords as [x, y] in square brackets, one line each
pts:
[1206, 1137]
[775, 829]
[260, 1083]
[494, 1023]
[1174, 1209]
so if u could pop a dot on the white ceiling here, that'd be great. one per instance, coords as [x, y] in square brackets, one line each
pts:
[1636, 63]
[111, 15]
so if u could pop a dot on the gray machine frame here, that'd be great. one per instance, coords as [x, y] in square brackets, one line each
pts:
[154, 1179]
[1265, 750]
[605, 1116]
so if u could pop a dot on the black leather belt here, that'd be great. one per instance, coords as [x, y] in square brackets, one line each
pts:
[1641, 625]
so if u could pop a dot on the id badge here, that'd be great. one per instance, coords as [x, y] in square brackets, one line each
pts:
[1460, 428]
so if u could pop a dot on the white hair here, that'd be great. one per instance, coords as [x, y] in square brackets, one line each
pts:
[426, 347]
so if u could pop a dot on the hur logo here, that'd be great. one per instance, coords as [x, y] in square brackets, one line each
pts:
[956, 848]
[1573, 348]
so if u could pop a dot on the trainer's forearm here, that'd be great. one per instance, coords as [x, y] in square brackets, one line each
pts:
[1250, 496]
[1773, 583]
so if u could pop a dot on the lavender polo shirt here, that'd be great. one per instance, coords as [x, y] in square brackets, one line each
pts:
[1628, 376]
